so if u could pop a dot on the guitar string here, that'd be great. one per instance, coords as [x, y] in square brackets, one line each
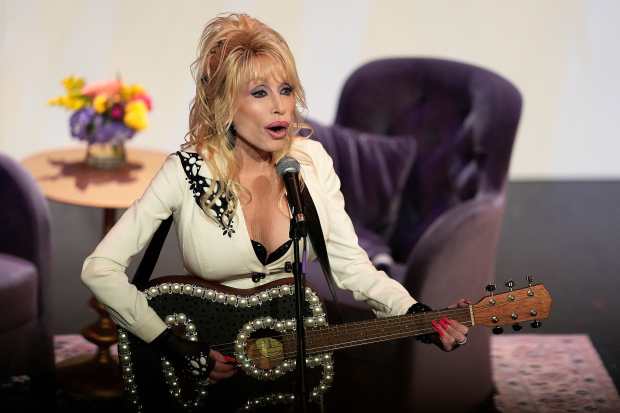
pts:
[357, 342]
[378, 339]
[327, 331]
[363, 325]
[348, 344]
[355, 328]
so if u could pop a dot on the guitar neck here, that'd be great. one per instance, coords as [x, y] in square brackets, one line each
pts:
[360, 333]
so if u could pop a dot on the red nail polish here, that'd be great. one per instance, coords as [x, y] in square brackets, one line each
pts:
[437, 328]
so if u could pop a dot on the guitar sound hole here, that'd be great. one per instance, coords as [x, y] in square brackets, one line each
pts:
[265, 348]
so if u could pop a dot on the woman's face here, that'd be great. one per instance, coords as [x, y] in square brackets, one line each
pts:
[265, 108]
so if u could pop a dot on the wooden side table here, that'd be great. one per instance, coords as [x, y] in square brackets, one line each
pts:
[64, 177]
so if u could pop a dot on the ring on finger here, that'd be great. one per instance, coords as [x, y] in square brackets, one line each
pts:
[462, 342]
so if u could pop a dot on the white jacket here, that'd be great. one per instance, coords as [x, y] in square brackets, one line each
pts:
[216, 254]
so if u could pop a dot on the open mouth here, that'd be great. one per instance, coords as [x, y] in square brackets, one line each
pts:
[277, 129]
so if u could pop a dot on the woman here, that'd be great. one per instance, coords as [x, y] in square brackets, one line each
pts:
[228, 202]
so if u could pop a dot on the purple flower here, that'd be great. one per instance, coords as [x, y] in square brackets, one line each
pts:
[87, 125]
[80, 123]
[112, 131]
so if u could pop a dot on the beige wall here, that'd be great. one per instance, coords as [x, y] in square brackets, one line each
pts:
[561, 54]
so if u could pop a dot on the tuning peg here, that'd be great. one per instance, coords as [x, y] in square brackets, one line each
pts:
[530, 280]
[516, 327]
[536, 324]
[491, 288]
[498, 330]
[510, 284]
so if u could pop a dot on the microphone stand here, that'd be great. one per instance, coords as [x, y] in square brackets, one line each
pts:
[297, 232]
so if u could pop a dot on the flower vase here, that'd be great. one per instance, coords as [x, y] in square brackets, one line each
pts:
[106, 155]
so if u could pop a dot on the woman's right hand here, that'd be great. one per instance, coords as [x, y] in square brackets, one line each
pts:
[195, 356]
[225, 366]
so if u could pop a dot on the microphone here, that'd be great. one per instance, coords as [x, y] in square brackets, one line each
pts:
[288, 169]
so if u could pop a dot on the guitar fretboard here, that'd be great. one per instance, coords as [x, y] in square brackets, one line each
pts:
[323, 339]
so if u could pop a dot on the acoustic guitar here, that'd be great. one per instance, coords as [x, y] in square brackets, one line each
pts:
[257, 328]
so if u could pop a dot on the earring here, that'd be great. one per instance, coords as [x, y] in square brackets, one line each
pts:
[231, 135]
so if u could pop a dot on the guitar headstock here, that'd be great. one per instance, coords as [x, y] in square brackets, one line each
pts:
[532, 303]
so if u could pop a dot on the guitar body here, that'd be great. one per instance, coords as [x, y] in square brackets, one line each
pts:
[257, 327]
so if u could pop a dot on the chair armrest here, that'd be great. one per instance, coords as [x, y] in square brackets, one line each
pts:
[455, 257]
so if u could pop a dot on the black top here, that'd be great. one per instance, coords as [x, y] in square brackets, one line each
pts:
[261, 252]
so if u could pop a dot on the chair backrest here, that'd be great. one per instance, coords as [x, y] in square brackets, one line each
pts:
[25, 221]
[463, 117]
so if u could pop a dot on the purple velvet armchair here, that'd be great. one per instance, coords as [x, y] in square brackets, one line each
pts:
[422, 147]
[26, 346]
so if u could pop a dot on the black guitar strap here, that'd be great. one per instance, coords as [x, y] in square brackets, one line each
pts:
[149, 259]
[315, 232]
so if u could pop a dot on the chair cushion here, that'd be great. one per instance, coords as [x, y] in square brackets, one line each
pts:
[18, 291]
[373, 170]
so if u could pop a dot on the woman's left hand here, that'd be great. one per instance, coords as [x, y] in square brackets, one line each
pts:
[452, 334]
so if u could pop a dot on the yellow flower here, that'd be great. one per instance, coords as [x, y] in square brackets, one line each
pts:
[74, 99]
[136, 89]
[55, 101]
[99, 103]
[125, 92]
[77, 103]
[136, 115]
[129, 91]
[73, 84]
[69, 102]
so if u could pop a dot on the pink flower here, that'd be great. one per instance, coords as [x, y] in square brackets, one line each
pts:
[146, 99]
[117, 112]
[108, 88]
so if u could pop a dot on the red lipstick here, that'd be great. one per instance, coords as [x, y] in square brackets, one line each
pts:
[277, 129]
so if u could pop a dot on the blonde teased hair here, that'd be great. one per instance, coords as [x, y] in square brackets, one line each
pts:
[229, 56]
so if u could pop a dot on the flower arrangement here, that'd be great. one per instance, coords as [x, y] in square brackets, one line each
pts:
[104, 112]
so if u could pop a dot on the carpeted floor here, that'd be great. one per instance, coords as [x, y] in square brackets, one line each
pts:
[551, 374]
[533, 373]
[71, 345]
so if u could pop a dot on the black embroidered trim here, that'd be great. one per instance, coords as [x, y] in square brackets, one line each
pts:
[192, 162]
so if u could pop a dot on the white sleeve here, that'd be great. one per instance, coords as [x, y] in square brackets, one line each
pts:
[104, 271]
[350, 264]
